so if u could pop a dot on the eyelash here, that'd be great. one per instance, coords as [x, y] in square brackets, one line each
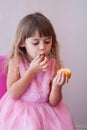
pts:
[47, 42]
[36, 43]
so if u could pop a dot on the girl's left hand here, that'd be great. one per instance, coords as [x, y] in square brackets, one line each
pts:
[59, 80]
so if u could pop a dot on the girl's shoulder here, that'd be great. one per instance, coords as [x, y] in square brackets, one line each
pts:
[13, 72]
[13, 63]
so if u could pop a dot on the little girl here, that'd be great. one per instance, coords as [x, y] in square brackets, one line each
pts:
[33, 100]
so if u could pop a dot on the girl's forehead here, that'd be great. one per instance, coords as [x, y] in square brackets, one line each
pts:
[37, 34]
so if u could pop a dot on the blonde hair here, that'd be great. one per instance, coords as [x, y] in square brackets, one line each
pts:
[26, 28]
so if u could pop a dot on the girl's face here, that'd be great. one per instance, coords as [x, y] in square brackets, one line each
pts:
[37, 45]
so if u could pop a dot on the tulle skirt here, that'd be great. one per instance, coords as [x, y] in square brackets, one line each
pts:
[24, 115]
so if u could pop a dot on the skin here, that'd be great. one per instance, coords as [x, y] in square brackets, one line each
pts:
[37, 49]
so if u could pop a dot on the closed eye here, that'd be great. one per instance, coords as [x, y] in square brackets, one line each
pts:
[35, 43]
[47, 42]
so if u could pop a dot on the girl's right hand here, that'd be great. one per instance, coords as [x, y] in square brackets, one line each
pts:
[40, 63]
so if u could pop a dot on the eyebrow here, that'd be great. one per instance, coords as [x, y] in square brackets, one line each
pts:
[35, 38]
[38, 38]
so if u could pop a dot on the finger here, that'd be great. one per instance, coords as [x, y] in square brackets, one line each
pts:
[42, 57]
[67, 79]
[36, 58]
[45, 67]
[61, 78]
[45, 61]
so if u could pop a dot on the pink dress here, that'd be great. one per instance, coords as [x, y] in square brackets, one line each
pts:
[32, 110]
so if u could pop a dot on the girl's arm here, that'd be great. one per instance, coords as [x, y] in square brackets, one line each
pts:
[56, 87]
[17, 86]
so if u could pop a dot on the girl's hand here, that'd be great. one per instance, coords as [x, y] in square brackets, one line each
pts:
[59, 80]
[40, 63]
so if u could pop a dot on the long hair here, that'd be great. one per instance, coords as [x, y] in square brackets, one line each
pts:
[26, 28]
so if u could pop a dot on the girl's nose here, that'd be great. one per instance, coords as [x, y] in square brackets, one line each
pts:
[42, 46]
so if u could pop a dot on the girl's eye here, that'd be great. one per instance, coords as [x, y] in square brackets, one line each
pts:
[35, 43]
[47, 42]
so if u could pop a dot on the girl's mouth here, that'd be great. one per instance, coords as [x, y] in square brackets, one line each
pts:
[42, 56]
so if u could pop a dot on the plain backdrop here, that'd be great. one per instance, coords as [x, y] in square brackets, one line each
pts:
[69, 18]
